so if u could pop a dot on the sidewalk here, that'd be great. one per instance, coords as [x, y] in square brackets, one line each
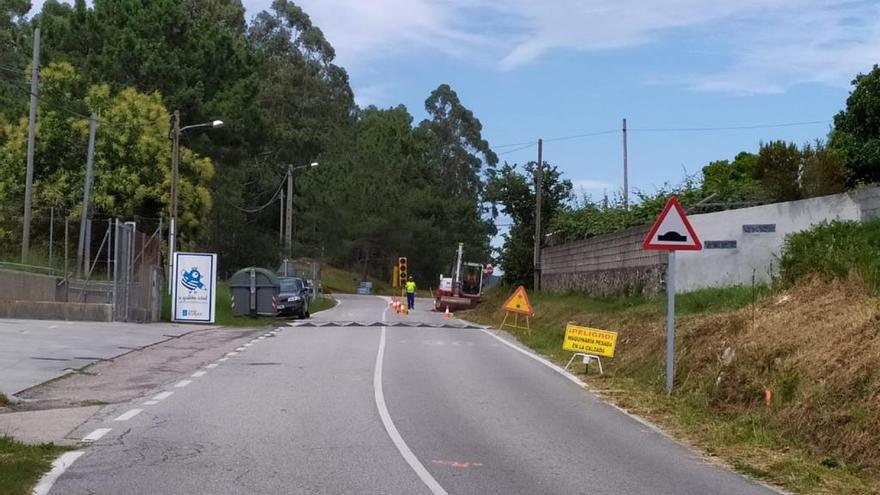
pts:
[35, 351]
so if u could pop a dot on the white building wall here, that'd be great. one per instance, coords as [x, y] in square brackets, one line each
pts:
[756, 253]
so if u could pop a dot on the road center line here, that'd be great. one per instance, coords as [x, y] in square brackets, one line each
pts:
[96, 435]
[211, 366]
[223, 359]
[151, 403]
[58, 467]
[398, 441]
[163, 395]
[182, 383]
[128, 414]
[198, 374]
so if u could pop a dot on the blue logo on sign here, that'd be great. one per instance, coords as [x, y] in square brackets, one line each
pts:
[185, 312]
[192, 279]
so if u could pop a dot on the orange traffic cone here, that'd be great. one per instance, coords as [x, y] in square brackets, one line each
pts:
[447, 315]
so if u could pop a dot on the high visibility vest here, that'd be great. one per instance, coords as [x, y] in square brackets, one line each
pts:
[411, 287]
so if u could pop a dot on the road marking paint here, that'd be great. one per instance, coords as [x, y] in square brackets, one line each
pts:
[128, 414]
[58, 467]
[457, 464]
[261, 337]
[233, 353]
[96, 435]
[248, 344]
[163, 395]
[239, 349]
[182, 383]
[398, 441]
[537, 358]
[223, 359]
[151, 403]
[198, 374]
[212, 365]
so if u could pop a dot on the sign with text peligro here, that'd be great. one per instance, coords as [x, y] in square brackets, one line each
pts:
[193, 293]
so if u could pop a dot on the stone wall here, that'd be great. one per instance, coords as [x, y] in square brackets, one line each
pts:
[607, 265]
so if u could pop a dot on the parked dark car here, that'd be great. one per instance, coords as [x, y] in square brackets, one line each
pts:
[293, 298]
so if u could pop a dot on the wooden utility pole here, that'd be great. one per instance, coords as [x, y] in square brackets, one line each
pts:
[81, 262]
[539, 189]
[288, 217]
[281, 220]
[625, 172]
[29, 174]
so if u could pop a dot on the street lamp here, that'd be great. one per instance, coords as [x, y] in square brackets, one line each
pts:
[175, 159]
[288, 237]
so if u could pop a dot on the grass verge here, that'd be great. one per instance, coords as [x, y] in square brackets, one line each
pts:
[819, 434]
[21, 466]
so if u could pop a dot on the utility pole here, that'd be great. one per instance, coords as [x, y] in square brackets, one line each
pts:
[281, 220]
[90, 163]
[539, 189]
[288, 217]
[172, 227]
[625, 172]
[29, 177]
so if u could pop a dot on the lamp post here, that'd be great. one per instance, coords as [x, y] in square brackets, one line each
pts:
[288, 224]
[175, 159]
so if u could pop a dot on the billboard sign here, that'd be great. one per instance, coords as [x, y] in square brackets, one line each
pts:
[194, 288]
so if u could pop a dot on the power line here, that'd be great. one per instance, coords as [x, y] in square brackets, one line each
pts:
[530, 145]
[263, 207]
[729, 128]
[589, 134]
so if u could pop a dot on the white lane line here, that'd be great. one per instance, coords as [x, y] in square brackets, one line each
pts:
[248, 344]
[261, 337]
[163, 395]
[151, 403]
[537, 358]
[233, 353]
[182, 383]
[211, 366]
[128, 414]
[239, 349]
[398, 441]
[223, 359]
[96, 435]
[198, 374]
[58, 467]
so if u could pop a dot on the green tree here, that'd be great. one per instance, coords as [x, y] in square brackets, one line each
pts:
[824, 171]
[778, 171]
[856, 132]
[515, 193]
[731, 181]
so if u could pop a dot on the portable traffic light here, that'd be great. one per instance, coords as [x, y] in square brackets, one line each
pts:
[401, 270]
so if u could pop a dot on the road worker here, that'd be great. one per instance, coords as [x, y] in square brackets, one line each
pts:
[411, 293]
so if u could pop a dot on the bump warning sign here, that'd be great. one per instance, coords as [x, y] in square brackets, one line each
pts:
[518, 302]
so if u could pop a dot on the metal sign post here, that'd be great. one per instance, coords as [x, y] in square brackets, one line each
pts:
[670, 321]
[671, 232]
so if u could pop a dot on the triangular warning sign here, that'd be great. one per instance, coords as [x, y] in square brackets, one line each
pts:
[672, 230]
[518, 302]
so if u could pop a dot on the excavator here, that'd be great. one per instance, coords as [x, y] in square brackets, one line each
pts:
[463, 289]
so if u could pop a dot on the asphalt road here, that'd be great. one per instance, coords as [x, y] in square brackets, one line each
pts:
[381, 409]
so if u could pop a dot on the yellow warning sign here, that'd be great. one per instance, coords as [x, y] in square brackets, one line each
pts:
[589, 340]
[518, 302]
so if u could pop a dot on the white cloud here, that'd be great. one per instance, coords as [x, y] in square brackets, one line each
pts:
[763, 45]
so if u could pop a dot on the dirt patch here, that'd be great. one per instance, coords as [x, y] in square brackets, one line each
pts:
[129, 376]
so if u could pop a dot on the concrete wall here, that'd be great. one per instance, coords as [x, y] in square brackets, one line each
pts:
[605, 265]
[27, 286]
[738, 244]
[50, 310]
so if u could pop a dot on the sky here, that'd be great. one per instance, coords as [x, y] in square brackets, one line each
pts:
[563, 68]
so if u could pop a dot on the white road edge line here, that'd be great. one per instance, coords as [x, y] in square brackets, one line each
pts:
[233, 353]
[398, 441]
[182, 383]
[212, 365]
[223, 359]
[96, 435]
[163, 395]
[58, 467]
[198, 374]
[151, 403]
[128, 414]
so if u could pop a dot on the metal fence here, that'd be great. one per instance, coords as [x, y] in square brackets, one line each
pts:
[114, 262]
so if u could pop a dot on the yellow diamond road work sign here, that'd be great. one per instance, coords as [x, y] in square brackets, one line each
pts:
[589, 340]
[519, 302]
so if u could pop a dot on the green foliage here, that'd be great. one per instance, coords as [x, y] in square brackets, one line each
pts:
[834, 250]
[732, 181]
[22, 465]
[777, 169]
[515, 193]
[856, 133]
